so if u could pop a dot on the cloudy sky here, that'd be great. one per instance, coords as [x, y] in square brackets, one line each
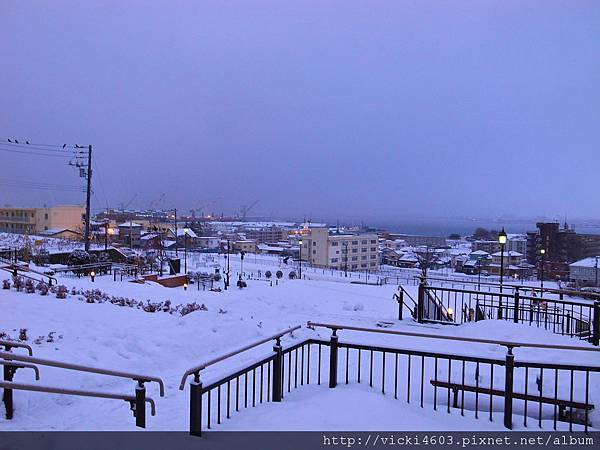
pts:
[326, 109]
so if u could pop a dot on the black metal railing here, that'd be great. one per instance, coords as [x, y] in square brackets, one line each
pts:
[458, 306]
[230, 393]
[484, 387]
[495, 388]
[13, 361]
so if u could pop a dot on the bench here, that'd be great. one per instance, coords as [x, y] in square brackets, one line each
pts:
[562, 404]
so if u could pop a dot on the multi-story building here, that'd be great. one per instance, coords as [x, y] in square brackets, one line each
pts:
[485, 246]
[561, 246]
[344, 251]
[37, 220]
[267, 234]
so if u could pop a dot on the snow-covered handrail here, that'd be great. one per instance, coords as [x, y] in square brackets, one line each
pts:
[13, 344]
[509, 344]
[63, 365]
[198, 368]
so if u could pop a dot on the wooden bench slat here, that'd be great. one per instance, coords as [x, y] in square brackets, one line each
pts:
[517, 395]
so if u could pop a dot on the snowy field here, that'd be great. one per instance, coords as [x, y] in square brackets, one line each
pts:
[165, 345]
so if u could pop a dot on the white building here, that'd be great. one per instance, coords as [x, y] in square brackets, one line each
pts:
[585, 272]
[344, 251]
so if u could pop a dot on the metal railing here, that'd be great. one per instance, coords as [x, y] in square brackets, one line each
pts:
[270, 386]
[469, 383]
[137, 401]
[458, 306]
[495, 388]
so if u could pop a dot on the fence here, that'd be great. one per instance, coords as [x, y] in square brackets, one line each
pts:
[458, 306]
[13, 361]
[492, 388]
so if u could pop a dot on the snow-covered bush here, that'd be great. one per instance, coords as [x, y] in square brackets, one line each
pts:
[292, 275]
[358, 307]
[61, 291]
[78, 257]
[18, 282]
[268, 274]
[217, 277]
[23, 334]
[279, 274]
[5, 284]
[42, 287]
[29, 288]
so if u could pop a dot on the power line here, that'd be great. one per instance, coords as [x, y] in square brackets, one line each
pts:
[55, 155]
[42, 148]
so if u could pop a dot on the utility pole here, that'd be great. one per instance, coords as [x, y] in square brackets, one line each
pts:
[176, 242]
[88, 199]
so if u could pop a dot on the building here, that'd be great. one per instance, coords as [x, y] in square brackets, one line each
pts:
[512, 260]
[209, 242]
[585, 272]
[561, 246]
[62, 233]
[36, 220]
[485, 246]
[415, 240]
[344, 251]
[245, 245]
[130, 234]
[269, 234]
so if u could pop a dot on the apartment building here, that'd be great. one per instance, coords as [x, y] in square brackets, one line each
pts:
[343, 251]
[267, 234]
[37, 220]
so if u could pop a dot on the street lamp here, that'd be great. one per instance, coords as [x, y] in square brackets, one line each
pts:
[300, 259]
[227, 272]
[93, 275]
[185, 235]
[502, 242]
[346, 258]
[542, 253]
[596, 284]
[242, 253]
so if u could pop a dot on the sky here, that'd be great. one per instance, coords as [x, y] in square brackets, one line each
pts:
[351, 110]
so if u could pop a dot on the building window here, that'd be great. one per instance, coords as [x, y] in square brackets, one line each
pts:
[355, 258]
[373, 241]
[46, 216]
[363, 242]
[373, 256]
[373, 249]
[363, 257]
[364, 249]
[354, 242]
[354, 250]
[334, 260]
[334, 244]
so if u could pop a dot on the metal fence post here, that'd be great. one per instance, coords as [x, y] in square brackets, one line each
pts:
[508, 388]
[421, 302]
[516, 311]
[333, 359]
[7, 395]
[196, 406]
[140, 405]
[596, 325]
[277, 372]
[400, 304]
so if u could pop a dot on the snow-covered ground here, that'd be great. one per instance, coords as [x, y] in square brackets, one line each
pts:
[162, 344]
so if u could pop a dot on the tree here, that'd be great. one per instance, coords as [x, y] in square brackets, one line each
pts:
[426, 256]
[454, 236]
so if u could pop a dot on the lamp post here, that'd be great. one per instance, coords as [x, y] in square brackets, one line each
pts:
[93, 275]
[242, 253]
[479, 274]
[542, 253]
[502, 242]
[596, 271]
[185, 235]
[227, 271]
[105, 235]
[300, 259]
[346, 258]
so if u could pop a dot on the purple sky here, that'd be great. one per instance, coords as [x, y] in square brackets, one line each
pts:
[327, 109]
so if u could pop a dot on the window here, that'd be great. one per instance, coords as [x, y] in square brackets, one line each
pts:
[314, 243]
[363, 265]
[373, 256]
[335, 244]
[364, 249]
[334, 260]
[355, 258]
[373, 241]
[363, 257]
[314, 252]
[354, 242]
[354, 250]
[46, 216]
[363, 242]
